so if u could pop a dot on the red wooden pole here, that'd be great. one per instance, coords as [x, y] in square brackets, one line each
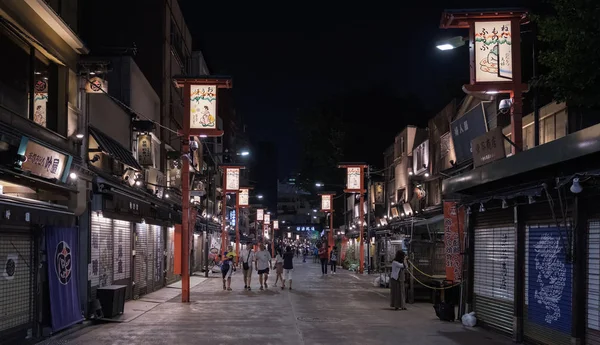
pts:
[224, 236]
[361, 222]
[330, 237]
[237, 227]
[185, 205]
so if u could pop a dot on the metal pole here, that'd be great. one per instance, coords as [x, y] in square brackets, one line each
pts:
[369, 219]
[536, 110]
[206, 246]
[361, 221]
[330, 237]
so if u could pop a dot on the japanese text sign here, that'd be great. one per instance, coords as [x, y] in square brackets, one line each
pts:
[203, 106]
[493, 54]
[354, 178]
[465, 129]
[144, 150]
[43, 161]
[276, 225]
[232, 179]
[488, 147]
[243, 197]
[326, 202]
[267, 218]
[260, 214]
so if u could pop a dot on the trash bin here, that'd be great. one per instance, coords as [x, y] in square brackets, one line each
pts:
[112, 299]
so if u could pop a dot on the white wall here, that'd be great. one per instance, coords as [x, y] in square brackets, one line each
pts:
[110, 118]
[143, 98]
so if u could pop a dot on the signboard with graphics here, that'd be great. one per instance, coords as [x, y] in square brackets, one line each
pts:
[144, 150]
[267, 218]
[232, 179]
[421, 158]
[379, 193]
[155, 181]
[493, 54]
[260, 214]
[61, 249]
[488, 147]
[203, 106]
[354, 178]
[96, 85]
[243, 197]
[465, 129]
[453, 236]
[43, 161]
[326, 202]
[276, 224]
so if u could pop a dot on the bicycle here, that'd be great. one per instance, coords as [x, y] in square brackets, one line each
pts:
[212, 258]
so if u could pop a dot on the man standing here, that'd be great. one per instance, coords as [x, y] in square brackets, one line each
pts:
[263, 264]
[247, 263]
[288, 266]
[323, 255]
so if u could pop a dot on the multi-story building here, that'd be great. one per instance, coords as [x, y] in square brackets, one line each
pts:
[296, 211]
[44, 183]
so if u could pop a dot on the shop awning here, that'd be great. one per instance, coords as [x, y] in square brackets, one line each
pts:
[114, 149]
[571, 147]
[432, 220]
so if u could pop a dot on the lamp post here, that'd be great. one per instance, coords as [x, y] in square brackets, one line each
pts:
[197, 93]
[243, 201]
[327, 206]
[231, 184]
[355, 183]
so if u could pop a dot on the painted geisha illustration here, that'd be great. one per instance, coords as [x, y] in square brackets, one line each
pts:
[203, 106]
[488, 39]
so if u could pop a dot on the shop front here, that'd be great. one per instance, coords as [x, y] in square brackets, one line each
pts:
[532, 226]
[39, 238]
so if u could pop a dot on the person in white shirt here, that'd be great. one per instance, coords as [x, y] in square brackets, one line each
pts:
[248, 258]
[263, 264]
[397, 293]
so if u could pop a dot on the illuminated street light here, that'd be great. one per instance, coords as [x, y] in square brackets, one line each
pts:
[318, 184]
[451, 43]
[244, 153]
[259, 196]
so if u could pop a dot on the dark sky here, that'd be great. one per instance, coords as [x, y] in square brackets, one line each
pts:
[283, 59]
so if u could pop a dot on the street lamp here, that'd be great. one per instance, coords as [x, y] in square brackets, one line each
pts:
[318, 184]
[452, 43]
[260, 196]
[244, 153]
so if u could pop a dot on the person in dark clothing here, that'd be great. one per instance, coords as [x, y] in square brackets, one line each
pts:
[333, 258]
[288, 266]
[323, 257]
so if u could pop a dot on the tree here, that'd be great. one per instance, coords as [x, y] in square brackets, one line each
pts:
[571, 51]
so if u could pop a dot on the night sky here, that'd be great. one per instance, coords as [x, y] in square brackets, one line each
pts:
[285, 59]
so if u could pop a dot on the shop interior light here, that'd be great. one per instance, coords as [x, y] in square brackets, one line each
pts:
[167, 195]
[426, 174]
[79, 135]
[73, 176]
[410, 172]
[576, 186]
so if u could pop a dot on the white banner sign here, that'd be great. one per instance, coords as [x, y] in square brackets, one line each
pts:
[493, 54]
[203, 106]
[233, 179]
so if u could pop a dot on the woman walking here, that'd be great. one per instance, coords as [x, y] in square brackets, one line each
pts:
[323, 257]
[279, 268]
[397, 293]
[288, 266]
[228, 267]
[333, 258]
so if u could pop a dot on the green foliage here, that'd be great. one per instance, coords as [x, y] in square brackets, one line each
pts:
[571, 51]
[349, 259]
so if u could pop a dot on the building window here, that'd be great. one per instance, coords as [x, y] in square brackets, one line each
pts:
[29, 84]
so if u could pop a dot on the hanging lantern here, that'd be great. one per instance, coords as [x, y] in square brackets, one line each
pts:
[232, 179]
[260, 214]
[244, 197]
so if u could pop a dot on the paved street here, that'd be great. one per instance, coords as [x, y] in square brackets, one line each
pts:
[335, 309]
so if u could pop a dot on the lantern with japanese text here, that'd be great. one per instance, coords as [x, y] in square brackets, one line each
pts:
[276, 224]
[326, 202]
[244, 197]
[267, 218]
[260, 214]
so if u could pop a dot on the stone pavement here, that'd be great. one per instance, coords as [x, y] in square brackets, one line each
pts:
[334, 309]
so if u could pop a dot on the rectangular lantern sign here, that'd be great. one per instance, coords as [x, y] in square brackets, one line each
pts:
[354, 176]
[244, 197]
[233, 179]
[267, 218]
[493, 54]
[203, 106]
[276, 224]
[326, 202]
[260, 214]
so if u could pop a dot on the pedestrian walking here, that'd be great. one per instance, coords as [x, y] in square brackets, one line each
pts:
[304, 254]
[315, 254]
[228, 267]
[397, 293]
[323, 256]
[263, 264]
[333, 258]
[278, 267]
[247, 260]
[288, 266]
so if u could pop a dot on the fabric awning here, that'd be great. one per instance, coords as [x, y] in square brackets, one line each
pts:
[114, 149]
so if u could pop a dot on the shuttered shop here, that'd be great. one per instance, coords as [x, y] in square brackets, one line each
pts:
[110, 253]
[494, 255]
[548, 286]
[593, 284]
[16, 282]
[170, 257]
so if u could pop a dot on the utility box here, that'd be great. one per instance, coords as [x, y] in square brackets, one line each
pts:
[112, 299]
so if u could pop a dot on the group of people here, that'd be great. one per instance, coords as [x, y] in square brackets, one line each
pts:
[261, 262]
[327, 258]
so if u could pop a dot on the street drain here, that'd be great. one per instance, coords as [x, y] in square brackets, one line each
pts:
[318, 319]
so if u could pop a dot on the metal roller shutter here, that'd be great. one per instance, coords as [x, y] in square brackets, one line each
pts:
[493, 284]
[16, 282]
[122, 253]
[198, 250]
[593, 284]
[141, 269]
[548, 286]
[101, 252]
[170, 257]
[158, 257]
[150, 259]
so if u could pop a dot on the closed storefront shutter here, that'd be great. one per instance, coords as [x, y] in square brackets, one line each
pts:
[593, 284]
[493, 285]
[171, 277]
[122, 254]
[141, 269]
[198, 252]
[158, 257]
[150, 259]
[16, 282]
[548, 286]
[102, 244]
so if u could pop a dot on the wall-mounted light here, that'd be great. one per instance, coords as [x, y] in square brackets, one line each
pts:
[73, 176]
[410, 172]
[576, 187]
[426, 174]
[79, 135]
[167, 195]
